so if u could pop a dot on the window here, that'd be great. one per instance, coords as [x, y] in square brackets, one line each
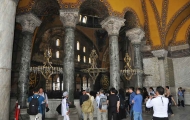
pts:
[78, 45]
[89, 60]
[84, 59]
[57, 42]
[57, 85]
[78, 58]
[80, 18]
[57, 54]
[84, 49]
[84, 19]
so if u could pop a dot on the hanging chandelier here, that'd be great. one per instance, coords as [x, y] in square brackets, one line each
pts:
[93, 71]
[128, 72]
[47, 69]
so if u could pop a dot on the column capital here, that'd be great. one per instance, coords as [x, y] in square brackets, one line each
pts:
[28, 22]
[113, 24]
[135, 35]
[160, 53]
[69, 17]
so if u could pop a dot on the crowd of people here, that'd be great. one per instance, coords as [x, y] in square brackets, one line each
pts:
[115, 105]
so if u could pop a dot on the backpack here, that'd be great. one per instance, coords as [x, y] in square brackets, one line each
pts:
[87, 106]
[33, 106]
[103, 103]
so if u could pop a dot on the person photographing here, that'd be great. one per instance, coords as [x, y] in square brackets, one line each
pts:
[159, 104]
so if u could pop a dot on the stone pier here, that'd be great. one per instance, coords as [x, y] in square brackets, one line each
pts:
[112, 25]
[69, 19]
[28, 22]
[7, 24]
[135, 35]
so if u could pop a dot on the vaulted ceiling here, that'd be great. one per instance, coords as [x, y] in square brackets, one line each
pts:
[166, 22]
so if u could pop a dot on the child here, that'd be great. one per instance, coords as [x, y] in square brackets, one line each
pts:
[137, 105]
[65, 106]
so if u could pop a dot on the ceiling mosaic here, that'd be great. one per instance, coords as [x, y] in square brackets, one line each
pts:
[162, 20]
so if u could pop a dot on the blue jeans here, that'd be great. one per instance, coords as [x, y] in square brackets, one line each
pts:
[137, 115]
[131, 114]
[43, 111]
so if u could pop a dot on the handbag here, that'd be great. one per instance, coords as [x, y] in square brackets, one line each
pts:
[58, 109]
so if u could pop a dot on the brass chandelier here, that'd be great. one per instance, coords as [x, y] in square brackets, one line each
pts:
[93, 71]
[47, 69]
[128, 72]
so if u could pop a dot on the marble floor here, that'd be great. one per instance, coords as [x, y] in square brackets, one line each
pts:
[179, 114]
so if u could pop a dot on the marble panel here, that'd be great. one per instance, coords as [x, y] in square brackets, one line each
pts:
[182, 71]
[151, 68]
[181, 68]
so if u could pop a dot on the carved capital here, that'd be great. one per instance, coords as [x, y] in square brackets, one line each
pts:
[28, 22]
[113, 24]
[160, 53]
[69, 17]
[135, 35]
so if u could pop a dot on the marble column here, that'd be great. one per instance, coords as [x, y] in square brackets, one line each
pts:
[112, 25]
[161, 55]
[28, 22]
[135, 35]
[69, 19]
[7, 24]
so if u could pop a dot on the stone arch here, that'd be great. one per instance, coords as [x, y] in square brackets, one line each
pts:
[94, 7]
[130, 14]
[188, 35]
[176, 32]
[177, 18]
[46, 7]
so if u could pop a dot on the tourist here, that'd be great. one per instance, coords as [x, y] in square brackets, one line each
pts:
[81, 97]
[167, 88]
[181, 97]
[137, 105]
[151, 92]
[81, 101]
[127, 96]
[113, 105]
[145, 98]
[132, 95]
[45, 103]
[159, 104]
[170, 98]
[65, 106]
[122, 112]
[170, 111]
[101, 101]
[88, 106]
[32, 104]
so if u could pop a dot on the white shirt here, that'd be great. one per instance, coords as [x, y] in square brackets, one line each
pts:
[64, 107]
[45, 97]
[160, 106]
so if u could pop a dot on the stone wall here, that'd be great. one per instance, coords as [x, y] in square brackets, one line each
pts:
[173, 72]
[151, 68]
[182, 75]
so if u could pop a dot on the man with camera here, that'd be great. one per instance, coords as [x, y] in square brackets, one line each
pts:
[159, 104]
